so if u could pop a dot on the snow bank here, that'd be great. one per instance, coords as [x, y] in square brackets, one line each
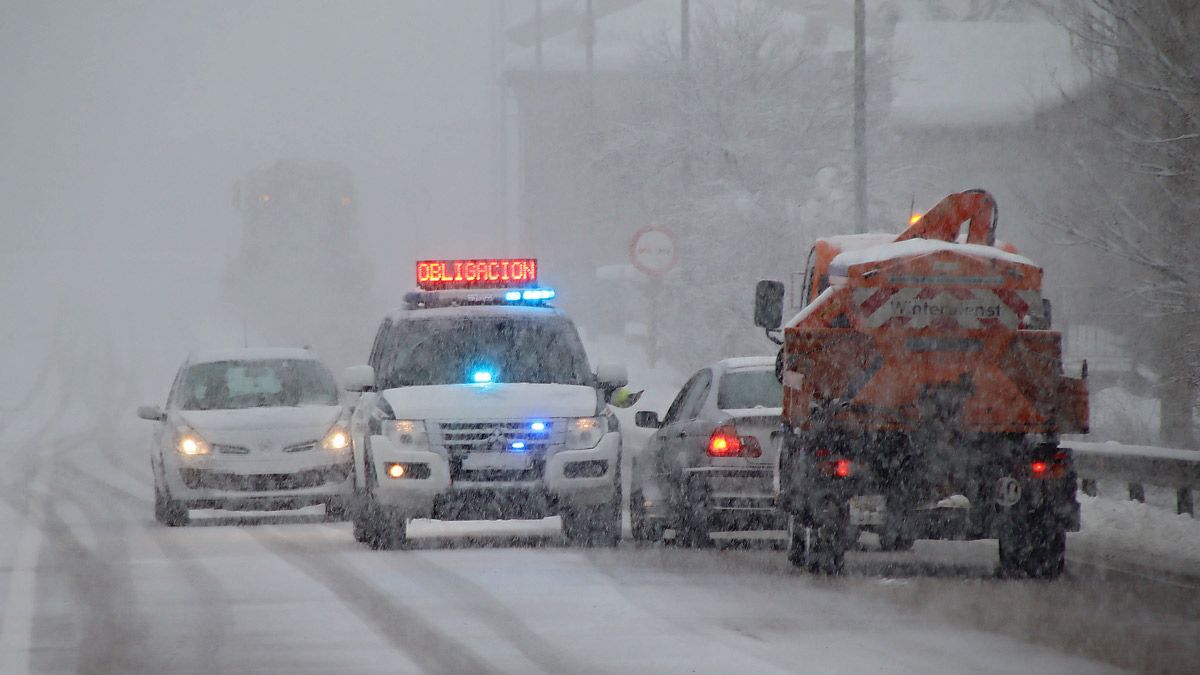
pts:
[1135, 531]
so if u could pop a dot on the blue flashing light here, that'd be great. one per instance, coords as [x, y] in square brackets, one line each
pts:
[481, 377]
[537, 294]
[512, 296]
[518, 445]
[537, 426]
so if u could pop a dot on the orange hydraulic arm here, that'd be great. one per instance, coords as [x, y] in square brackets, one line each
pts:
[944, 220]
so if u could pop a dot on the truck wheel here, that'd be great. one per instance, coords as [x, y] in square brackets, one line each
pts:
[1033, 551]
[827, 539]
[167, 511]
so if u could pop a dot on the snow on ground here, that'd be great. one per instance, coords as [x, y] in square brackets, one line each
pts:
[1152, 537]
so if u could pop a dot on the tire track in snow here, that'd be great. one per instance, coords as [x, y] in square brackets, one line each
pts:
[402, 626]
[211, 598]
[504, 621]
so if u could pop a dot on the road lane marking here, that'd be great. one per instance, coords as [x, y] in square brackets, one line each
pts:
[16, 631]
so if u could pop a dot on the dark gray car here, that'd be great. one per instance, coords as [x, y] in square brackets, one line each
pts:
[708, 465]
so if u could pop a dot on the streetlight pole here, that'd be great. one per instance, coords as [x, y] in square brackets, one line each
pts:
[860, 116]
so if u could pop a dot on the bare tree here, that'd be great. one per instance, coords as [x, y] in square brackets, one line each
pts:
[729, 159]
[1140, 158]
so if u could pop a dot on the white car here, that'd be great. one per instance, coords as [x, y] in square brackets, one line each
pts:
[250, 429]
[709, 464]
[481, 407]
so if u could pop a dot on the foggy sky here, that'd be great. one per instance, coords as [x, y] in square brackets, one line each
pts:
[124, 124]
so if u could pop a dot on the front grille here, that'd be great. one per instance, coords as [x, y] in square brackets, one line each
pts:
[242, 450]
[197, 479]
[534, 472]
[460, 438]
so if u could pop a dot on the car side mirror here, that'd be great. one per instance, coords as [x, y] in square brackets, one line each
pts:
[151, 412]
[611, 375]
[647, 419]
[768, 304]
[358, 379]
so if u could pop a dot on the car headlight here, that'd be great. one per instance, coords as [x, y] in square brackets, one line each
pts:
[338, 438]
[583, 433]
[406, 432]
[190, 443]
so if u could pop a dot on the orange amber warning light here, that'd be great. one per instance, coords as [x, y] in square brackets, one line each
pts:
[435, 275]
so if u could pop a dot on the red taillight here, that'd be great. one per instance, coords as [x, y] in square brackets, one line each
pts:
[841, 468]
[1058, 467]
[837, 468]
[750, 447]
[724, 442]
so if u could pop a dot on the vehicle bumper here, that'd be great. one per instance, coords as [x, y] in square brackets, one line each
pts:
[735, 496]
[240, 483]
[568, 478]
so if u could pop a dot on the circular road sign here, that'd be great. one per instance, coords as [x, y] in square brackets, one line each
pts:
[653, 250]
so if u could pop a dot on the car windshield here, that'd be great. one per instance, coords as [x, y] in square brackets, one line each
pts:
[484, 349]
[227, 385]
[749, 389]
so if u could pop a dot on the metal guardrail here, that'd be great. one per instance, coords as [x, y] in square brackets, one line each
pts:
[1137, 466]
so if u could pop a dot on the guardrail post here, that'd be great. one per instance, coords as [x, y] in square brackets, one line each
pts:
[1088, 486]
[1137, 493]
[1183, 501]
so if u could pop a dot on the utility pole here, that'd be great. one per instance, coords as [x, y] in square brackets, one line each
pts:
[685, 31]
[860, 116]
[537, 29]
[685, 55]
[500, 130]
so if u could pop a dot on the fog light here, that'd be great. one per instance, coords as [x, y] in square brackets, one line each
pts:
[396, 470]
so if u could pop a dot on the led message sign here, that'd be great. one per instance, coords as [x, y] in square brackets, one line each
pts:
[434, 275]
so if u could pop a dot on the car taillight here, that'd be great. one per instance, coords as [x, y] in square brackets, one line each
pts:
[828, 465]
[1048, 469]
[724, 442]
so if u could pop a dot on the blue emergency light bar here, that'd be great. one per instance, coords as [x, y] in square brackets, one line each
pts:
[463, 297]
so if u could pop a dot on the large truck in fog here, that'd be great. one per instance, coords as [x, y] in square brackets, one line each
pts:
[299, 275]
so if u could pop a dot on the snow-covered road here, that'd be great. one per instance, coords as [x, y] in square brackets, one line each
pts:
[91, 584]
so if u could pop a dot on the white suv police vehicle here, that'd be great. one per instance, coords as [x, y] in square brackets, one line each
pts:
[478, 403]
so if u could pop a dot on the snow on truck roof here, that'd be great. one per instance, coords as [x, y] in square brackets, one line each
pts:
[253, 354]
[913, 247]
[747, 362]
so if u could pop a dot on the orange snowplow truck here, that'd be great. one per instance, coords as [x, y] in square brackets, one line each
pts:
[924, 395]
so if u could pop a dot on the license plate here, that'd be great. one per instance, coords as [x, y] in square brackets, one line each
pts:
[867, 510]
[483, 461]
